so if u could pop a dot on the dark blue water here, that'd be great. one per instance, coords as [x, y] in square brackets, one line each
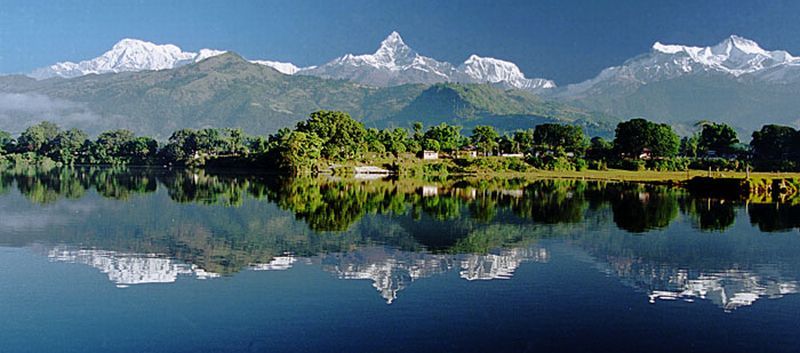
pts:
[198, 263]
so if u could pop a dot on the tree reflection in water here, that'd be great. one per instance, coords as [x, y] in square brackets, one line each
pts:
[393, 231]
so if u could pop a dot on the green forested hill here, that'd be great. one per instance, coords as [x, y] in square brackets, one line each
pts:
[228, 91]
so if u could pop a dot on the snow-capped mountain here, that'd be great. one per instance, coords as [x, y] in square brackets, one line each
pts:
[734, 57]
[505, 73]
[127, 55]
[735, 81]
[395, 63]
[282, 67]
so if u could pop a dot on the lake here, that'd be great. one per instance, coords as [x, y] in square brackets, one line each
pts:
[153, 260]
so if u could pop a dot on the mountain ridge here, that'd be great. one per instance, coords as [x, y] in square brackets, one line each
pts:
[226, 90]
[394, 63]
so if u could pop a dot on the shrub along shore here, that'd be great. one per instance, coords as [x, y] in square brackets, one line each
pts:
[333, 142]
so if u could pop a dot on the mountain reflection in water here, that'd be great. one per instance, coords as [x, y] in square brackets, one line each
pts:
[149, 226]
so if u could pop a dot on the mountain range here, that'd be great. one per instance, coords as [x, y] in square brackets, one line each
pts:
[393, 64]
[226, 90]
[735, 81]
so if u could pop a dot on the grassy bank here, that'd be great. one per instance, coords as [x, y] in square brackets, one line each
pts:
[508, 167]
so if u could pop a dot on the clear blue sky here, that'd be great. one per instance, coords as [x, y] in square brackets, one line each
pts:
[565, 40]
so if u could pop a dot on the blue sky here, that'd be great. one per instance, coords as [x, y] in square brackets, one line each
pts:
[564, 40]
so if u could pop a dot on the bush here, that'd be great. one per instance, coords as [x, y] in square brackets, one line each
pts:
[581, 164]
[668, 164]
[598, 165]
[636, 165]
[555, 163]
[718, 164]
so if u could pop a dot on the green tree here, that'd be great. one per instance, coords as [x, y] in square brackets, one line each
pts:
[776, 147]
[181, 146]
[637, 135]
[523, 139]
[37, 136]
[394, 140]
[447, 136]
[6, 141]
[689, 146]
[431, 145]
[568, 137]
[141, 150]
[236, 141]
[342, 137]
[298, 152]
[506, 144]
[484, 138]
[717, 137]
[373, 141]
[110, 145]
[600, 149]
[66, 146]
[417, 127]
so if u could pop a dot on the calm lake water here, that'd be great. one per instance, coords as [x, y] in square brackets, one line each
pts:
[111, 260]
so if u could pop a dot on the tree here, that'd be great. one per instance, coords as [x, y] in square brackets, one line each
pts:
[600, 149]
[297, 152]
[775, 143]
[417, 127]
[181, 146]
[506, 144]
[431, 145]
[109, 145]
[717, 137]
[568, 137]
[37, 136]
[66, 146]
[342, 137]
[6, 141]
[523, 139]
[689, 146]
[447, 136]
[372, 141]
[635, 136]
[236, 141]
[484, 138]
[394, 140]
[140, 150]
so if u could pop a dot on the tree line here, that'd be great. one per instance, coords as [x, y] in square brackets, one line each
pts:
[333, 136]
[335, 205]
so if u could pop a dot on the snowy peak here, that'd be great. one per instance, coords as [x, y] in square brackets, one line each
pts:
[396, 63]
[393, 42]
[736, 43]
[393, 49]
[282, 67]
[490, 69]
[393, 54]
[127, 55]
[393, 63]
[735, 56]
[207, 53]
[504, 73]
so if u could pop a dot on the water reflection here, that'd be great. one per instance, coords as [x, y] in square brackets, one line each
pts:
[392, 270]
[728, 289]
[145, 226]
[129, 269]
